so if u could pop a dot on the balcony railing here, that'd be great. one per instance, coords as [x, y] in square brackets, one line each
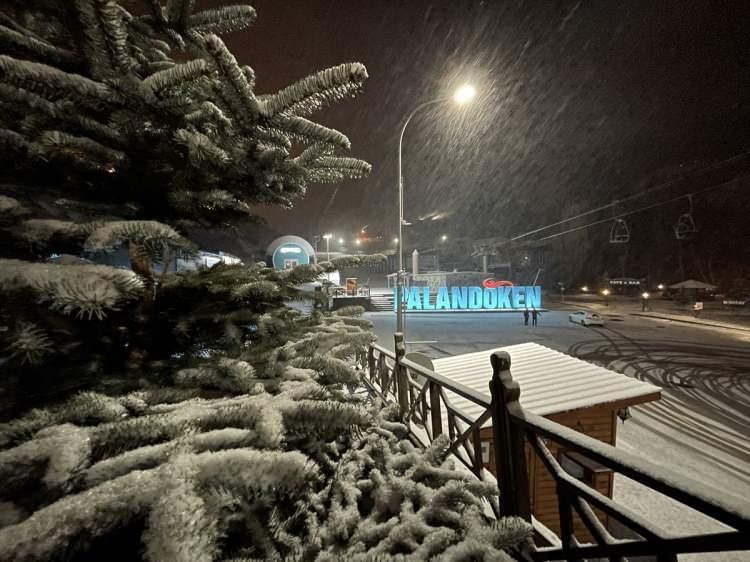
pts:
[424, 406]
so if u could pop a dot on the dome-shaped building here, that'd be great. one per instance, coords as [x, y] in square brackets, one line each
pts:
[290, 251]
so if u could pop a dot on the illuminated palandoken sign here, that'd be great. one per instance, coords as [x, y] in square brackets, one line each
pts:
[493, 295]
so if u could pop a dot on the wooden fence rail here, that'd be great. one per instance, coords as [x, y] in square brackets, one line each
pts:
[424, 407]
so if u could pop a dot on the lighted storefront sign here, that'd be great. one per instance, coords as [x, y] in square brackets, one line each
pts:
[502, 297]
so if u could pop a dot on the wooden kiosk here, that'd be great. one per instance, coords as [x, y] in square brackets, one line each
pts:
[569, 391]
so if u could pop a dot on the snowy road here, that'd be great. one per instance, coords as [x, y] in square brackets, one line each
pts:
[701, 427]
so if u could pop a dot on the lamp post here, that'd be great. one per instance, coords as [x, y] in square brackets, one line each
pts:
[605, 292]
[644, 301]
[327, 238]
[463, 95]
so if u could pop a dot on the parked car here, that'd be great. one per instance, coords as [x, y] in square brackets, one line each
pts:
[737, 298]
[585, 318]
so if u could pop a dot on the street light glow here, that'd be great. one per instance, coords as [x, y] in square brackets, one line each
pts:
[464, 94]
[328, 236]
[444, 237]
[645, 295]
[395, 240]
[660, 286]
[358, 241]
[605, 292]
[585, 289]
[341, 240]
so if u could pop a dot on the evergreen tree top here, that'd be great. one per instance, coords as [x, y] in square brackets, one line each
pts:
[147, 114]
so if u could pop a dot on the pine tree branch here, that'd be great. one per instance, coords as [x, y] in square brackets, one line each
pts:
[223, 20]
[16, 142]
[37, 48]
[237, 83]
[316, 91]
[178, 13]
[176, 75]
[309, 131]
[82, 150]
[61, 111]
[201, 149]
[51, 83]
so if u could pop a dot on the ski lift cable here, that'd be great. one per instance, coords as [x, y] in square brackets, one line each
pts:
[628, 198]
[646, 208]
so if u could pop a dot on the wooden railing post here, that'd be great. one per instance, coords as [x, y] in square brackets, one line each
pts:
[508, 441]
[371, 363]
[399, 372]
[435, 415]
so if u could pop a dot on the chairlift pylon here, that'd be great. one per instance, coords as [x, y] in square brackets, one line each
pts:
[619, 233]
[685, 227]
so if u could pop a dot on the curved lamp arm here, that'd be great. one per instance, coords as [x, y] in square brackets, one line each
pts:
[399, 303]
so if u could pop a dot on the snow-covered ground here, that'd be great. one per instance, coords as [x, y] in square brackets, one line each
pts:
[701, 427]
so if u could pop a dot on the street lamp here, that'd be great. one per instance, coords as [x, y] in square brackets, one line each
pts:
[327, 238]
[660, 286]
[644, 301]
[341, 240]
[463, 95]
[605, 292]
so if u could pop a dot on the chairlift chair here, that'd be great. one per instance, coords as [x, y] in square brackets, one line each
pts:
[619, 233]
[685, 227]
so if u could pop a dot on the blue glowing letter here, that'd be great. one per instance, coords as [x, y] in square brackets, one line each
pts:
[415, 302]
[459, 297]
[534, 297]
[503, 297]
[426, 299]
[475, 298]
[443, 302]
[490, 298]
[517, 296]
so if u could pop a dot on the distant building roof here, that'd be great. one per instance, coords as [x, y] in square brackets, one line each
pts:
[551, 382]
[693, 284]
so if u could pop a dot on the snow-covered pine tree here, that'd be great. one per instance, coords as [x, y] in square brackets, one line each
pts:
[117, 115]
[149, 115]
[220, 425]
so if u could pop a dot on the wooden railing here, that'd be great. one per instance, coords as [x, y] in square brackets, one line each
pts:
[421, 396]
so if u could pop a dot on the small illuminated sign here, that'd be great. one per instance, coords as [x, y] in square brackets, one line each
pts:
[290, 250]
[631, 282]
[504, 297]
[492, 284]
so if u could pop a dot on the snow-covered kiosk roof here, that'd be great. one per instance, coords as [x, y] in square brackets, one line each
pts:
[288, 251]
[551, 382]
[290, 239]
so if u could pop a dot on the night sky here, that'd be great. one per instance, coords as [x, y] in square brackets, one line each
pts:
[579, 102]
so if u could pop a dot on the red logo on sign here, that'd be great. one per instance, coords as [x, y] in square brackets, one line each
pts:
[492, 284]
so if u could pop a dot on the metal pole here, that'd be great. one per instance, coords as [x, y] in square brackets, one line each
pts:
[400, 273]
[328, 250]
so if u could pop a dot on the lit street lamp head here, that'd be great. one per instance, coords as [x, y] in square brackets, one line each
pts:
[464, 94]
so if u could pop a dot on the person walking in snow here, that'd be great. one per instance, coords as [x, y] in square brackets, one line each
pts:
[534, 314]
[526, 317]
